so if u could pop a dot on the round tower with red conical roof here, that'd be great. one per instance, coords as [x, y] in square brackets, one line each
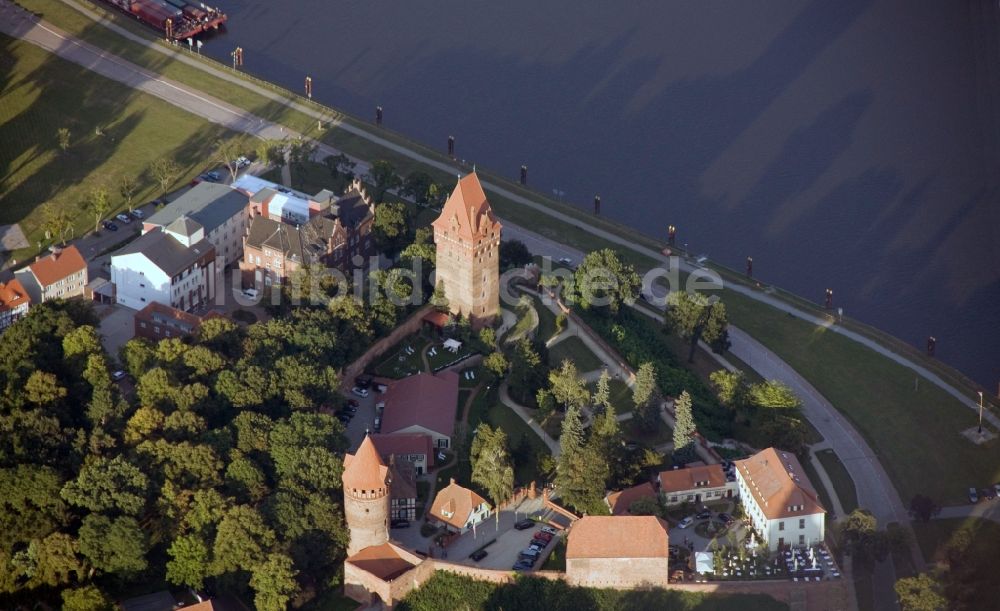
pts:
[366, 497]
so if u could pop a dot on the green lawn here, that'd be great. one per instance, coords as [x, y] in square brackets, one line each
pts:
[632, 431]
[546, 321]
[115, 131]
[935, 536]
[575, 350]
[399, 363]
[527, 320]
[843, 485]
[901, 424]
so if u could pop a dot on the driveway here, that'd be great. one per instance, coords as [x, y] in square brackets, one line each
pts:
[364, 420]
[117, 327]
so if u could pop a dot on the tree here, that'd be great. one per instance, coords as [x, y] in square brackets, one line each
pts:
[684, 427]
[730, 387]
[417, 186]
[138, 355]
[43, 389]
[774, 394]
[568, 387]
[79, 344]
[496, 363]
[116, 545]
[63, 135]
[188, 564]
[923, 508]
[715, 331]
[99, 204]
[603, 280]
[383, 175]
[692, 316]
[859, 532]
[526, 374]
[127, 187]
[271, 152]
[920, 593]
[300, 151]
[274, 583]
[492, 467]
[643, 393]
[86, 598]
[514, 254]
[242, 540]
[390, 226]
[226, 152]
[165, 171]
[488, 336]
[602, 391]
[646, 506]
[52, 561]
[582, 471]
[56, 222]
[105, 485]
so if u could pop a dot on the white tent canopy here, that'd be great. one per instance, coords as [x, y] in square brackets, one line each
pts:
[452, 344]
[703, 563]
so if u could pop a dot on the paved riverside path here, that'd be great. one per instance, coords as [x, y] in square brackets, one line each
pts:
[38, 32]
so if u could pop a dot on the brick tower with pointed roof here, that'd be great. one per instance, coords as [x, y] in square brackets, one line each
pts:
[366, 497]
[467, 238]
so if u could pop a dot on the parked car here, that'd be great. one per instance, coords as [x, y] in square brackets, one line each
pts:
[138, 214]
[478, 555]
[123, 218]
[566, 261]
[344, 418]
[250, 293]
[988, 493]
[549, 529]
[539, 543]
[379, 408]
[544, 535]
[726, 518]
[361, 392]
[704, 515]
[109, 226]
[363, 381]
[378, 425]
[973, 495]
[996, 489]
[353, 403]
[242, 162]
[118, 375]
[522, 565]
[381, 387]
[525, 524]
[686, 522]
[349, 409]
[530, 554]
[400, 523]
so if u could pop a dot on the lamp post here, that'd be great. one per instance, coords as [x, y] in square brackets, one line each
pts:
[749, 267]
[980, 412]
[309, 87]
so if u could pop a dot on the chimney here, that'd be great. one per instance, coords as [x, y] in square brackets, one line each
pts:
[452, 482]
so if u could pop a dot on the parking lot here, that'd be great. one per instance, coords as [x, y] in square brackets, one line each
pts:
[364, 420]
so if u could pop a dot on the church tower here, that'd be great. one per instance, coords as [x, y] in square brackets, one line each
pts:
[467, 238]
[366, 497]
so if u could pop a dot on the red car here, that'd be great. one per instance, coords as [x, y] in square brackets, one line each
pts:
[543, 536]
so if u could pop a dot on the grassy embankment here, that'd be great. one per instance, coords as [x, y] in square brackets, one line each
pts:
[115, 131]
[875, 393]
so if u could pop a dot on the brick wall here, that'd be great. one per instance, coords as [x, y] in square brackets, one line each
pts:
[617, 572]
[409, 327]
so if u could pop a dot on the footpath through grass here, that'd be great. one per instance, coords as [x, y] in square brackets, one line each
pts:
[877, 394]
[843, 485]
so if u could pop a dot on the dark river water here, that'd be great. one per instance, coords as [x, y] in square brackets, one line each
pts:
[849, 144]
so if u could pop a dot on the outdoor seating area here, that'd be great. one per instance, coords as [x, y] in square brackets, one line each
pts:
[813, 563]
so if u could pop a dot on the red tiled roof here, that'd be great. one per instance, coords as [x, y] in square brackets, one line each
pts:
[382, 561]
[402, 444]
[778, 484]
[438, 319]
[620, 501]
[692, 478]
[364, 470]
[467, 210]
[458, 502]
[53, 268]
[618, 537]
[202, 606]
[13, 295]
[425, 400]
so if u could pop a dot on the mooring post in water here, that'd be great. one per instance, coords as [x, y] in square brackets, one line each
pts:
[451, 146]
[524, 174]
[829, 298]
[671, 234]
[597, 205]
[378, 116]
[749, 267]
[931, 345]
